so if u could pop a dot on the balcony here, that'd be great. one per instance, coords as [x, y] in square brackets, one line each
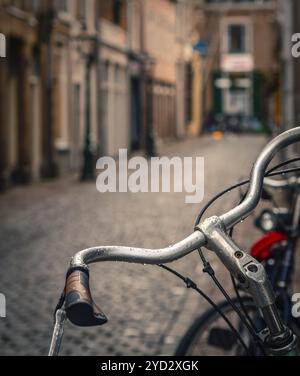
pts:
[239, 4]
[19, 18]
[21, 6]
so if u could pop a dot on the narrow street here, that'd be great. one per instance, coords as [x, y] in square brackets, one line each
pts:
[42, 226]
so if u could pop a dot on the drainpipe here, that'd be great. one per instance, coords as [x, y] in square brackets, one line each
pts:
[88, 156]
[49, 168]
[101, 137]
[148, 139]
[129, 48]
[143, 78]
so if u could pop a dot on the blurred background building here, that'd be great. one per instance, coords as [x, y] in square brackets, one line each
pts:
[242, 70]
[84, 78]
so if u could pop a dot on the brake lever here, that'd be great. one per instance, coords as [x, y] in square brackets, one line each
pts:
[58, 332]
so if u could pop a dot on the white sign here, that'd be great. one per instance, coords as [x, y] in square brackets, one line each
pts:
[237, 63]
[223, 83]
[244, 83]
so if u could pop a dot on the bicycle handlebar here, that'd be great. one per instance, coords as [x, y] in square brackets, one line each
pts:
[77, 284]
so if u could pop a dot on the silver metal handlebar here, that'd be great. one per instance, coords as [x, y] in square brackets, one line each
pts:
[140, 255]
[198, 238]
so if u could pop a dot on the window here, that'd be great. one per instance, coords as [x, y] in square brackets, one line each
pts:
[237, 39]
[25, 5]
[114, 11]
[62, 5]
[236, 1]
[81, 10]
[117, 11]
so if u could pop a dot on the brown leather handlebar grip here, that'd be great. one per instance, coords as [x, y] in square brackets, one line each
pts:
[80, 307]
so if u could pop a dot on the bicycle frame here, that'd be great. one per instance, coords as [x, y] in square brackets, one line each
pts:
[212, 234]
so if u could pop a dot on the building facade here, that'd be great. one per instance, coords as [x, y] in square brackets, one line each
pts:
[20, 87]
[156, 65]
[84, 78]
[288, 17]
[240, 71]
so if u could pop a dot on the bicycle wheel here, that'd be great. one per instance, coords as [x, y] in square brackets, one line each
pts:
[210, 335]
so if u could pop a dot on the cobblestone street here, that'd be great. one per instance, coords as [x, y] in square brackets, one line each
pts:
[43, 225]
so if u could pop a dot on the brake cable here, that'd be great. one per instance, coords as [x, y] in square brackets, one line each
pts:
[287, 162]
[192, 285]
[210, 271]
[244, 182]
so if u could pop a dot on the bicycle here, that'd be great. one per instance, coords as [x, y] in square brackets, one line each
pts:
[274, 338]
[276, 250]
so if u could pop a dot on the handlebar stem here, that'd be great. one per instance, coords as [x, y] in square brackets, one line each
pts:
[247, 270]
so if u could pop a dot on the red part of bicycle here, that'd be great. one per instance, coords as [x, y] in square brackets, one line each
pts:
[262, 249]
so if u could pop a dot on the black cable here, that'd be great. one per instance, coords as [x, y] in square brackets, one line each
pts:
[242, 183]
[209, 270]
[216, 197]
[191, 284]
[283, 172]
[289, 161]
[240, 300]
[248, 325]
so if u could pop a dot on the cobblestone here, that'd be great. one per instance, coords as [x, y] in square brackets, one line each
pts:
[42, 226]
